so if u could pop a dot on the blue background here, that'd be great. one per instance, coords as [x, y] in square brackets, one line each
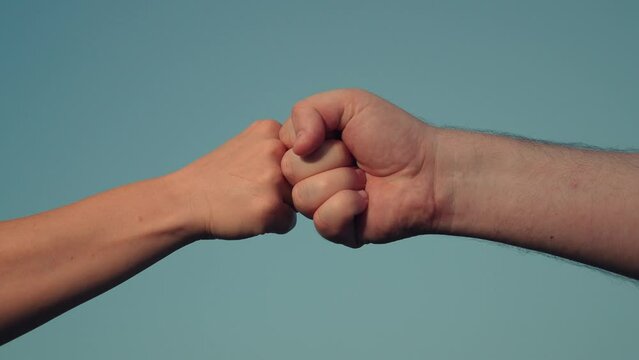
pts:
[98, 94]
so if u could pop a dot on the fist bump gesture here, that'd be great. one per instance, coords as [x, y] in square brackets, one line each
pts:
[359, 166]
[363, 169]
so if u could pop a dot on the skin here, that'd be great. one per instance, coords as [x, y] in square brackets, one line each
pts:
[419, 179]
[53, 261]
[366, 172]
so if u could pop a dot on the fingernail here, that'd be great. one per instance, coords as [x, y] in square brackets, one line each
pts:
[360, 172]
[363, 194]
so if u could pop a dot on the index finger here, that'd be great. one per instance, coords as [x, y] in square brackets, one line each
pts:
[316, 115]
[304, 131]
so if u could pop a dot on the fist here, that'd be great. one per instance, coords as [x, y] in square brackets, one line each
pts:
[238, 190]
[383, 150]
[328, 188]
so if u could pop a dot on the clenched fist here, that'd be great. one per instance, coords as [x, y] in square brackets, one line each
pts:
[362, 168]
[238, 190]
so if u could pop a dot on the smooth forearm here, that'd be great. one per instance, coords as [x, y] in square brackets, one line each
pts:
[574, 203]
[55, 260]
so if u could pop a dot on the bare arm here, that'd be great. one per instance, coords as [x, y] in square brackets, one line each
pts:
[579, 204]
[53, 261]
[575, 203]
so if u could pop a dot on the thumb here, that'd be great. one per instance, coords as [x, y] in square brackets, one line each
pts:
[317, 115]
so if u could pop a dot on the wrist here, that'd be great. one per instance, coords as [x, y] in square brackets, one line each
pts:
[430, 189]
[456, 161]
[179, 198]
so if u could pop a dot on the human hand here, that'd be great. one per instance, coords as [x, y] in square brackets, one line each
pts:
[237, 190]
[395, 151]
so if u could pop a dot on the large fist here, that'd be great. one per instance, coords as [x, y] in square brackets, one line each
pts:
[238, 190]
[381, 149]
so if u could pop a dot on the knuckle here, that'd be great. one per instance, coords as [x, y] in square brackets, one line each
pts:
[298, 108]
[322, 227]
[321, 185]
[267, 209]
[256, 124]
[353, 245]
[272, 175]
[285, 222]
[287, 167]
[356, 99]
[292, 221]
[301, 201]
[355, 92]
[340, 200]
[298, 195]
[328, 231]
[274, 148]
[267, 125]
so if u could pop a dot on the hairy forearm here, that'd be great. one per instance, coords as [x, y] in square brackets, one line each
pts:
[575, 203]
[55, 260]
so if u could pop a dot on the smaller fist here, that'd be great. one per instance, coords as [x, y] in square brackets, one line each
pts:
[238, 191]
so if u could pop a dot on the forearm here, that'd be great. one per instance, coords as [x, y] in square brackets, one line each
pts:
[55, 260]
[578, 204]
